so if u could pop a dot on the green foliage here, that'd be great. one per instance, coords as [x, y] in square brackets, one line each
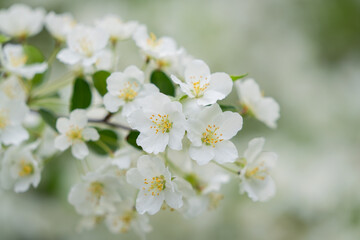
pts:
[81, 96]
[33, 54]
[163, 82]
[131, 139]
[99, 79]
[48, 117]
[234, 78]
[228, 108]
[108, 142]
[3, 39]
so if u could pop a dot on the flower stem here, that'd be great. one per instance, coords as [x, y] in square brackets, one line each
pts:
[227, 169]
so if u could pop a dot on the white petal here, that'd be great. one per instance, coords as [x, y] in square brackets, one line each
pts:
[259, 190]
[153, 143]
[90, 134]
[148, 203]
[69, 57]
[225, 151]
[79, 150]
[210, 97]
[14, 135]
[134, 72]
[229, 124]
[112, 103]
[137, 120]
[150, 166]
[268, 159]
[196, 68]
[78, 118]
[221, 82]
[62, 142]
[63, 125]
[254, 148]
[202, 155]
[173, 199]
[267, 110]
[184, 87]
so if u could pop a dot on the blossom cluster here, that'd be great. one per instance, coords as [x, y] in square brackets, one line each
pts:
[179, 144]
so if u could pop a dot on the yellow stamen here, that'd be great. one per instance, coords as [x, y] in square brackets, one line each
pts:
[155, 186]
[97, 189]
[128, 93]
[17, 61]
[26, 168]
[161, 123]
[74, 133]
[211, 136]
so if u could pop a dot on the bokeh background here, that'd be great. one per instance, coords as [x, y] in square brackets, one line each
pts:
[304, 53]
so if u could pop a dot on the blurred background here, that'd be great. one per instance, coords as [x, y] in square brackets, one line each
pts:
[305, 54]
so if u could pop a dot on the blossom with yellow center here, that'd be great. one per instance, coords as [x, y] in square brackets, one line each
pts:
[4, 121]
[211, 137]
[199, 86]
[97, 189]
[17, 61]
[75, 133]
[26, 168]
[161, 123]
[155, 185]
[128, 93]
[153, 41]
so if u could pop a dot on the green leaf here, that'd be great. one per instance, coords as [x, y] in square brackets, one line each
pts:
[33, 54]
[234, 78]
[163, 82]
[108, 142]
[183, 97]
[49, 118]
[99, 79]
[81, 96]
[228, 108]
[131, 139]
[4, 39]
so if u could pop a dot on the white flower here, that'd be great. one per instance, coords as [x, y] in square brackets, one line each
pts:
[84, 46]
[12, 114]
[105, 60]
[21, 21]
[125, 89]
[155, 184]
[116, 28]
[14, 60]
[13, 89]
[255, 178]
[59, 25]
[19, 168]
[126, 218]
[160, 122]
[73, 132]
[210, 132]
[203, 86]
[153, 47]
[96, 194]
[266, 109]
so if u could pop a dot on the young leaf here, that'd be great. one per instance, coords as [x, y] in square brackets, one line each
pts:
[108, 141]
[33, 54]
[99, 79]
[163, 82]
[234, 78]
[3, 39]
[131, 139]
[48, 118]
[228, 108]
[81, 96]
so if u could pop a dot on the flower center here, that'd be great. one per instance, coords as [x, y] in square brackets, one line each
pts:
[211, 136]
[152, 41]
[25, 169]
[17, 61]
[126, 219]
[128, 93]
[258, 172]
[85, 46]
[3, 119]
[155, 186]
[74, 133]
[97, 189]
[161, 123]
[199, 86]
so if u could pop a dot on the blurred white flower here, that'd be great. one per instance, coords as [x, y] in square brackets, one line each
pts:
[153, 47]
[155, 184]
[74, 133]
[255, 178]
[210, 132]
[20, 168]
[84, 46]
[116, 28]
[21, 21]
[126, 218]
[266, 109]
[160, 122]
[125, 89]
[203, 86]
[96, 194]
[59, 25]
[105, 60]
[12, 88]
[12, 114]
[14, 61]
